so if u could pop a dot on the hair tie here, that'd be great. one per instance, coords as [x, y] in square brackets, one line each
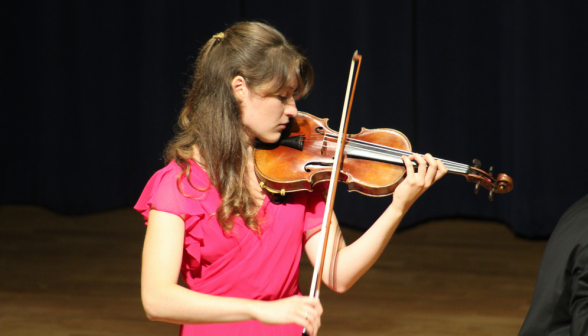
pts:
[219, 36]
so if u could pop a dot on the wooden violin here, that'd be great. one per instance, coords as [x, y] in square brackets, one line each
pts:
[371, 162]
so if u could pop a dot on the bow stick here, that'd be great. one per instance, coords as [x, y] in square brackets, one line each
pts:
[324, 235]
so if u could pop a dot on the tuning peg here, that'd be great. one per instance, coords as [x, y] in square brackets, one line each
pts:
[491, 195]
[476, 163]
[477, 188]
[491, 171]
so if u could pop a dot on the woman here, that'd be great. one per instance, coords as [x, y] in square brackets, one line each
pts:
[209, 219]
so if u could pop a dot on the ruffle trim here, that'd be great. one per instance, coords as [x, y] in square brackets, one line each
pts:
[161, 193]
[193, 242]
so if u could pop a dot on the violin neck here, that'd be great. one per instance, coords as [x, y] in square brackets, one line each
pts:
[392, 155]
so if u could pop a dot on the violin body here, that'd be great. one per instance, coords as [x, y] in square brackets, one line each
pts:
[371, 163]
[304, 157]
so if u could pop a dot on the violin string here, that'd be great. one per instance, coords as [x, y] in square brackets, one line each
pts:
[394, 151]
[451, 166]
[387, 150]
[381, 149]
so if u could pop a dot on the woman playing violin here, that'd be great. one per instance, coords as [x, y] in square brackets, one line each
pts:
[210, 221]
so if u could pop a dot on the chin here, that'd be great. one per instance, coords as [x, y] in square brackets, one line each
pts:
[271, 139]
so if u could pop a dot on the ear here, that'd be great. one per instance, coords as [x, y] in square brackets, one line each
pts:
[240, 88]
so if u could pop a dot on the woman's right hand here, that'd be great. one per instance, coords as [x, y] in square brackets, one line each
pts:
[302, 310]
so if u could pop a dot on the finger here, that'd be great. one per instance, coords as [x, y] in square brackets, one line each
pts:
[303, 322]
[316, 323]
[441, 170]
[313, 329]
[319, 308]
[422, 167]
[431, 171]
[316, 303]
[409, 168]
[316, 327]
[313, 311]
[311, 302]
[309, 312]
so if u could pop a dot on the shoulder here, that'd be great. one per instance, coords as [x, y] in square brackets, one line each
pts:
[573, 224]
[172, 190]
[577, 212]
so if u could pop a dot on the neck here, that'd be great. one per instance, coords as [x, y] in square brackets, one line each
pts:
[249, 152]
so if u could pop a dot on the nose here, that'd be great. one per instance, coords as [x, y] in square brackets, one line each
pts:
[291, 111]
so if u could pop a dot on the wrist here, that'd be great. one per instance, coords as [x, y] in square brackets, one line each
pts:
[399, 207]
[254, 309]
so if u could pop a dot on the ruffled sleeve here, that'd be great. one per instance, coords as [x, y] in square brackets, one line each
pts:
[162, 193]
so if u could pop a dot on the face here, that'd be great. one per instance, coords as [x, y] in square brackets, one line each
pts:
[265, 114]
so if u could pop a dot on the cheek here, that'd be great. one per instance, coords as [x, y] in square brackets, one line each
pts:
[250, 117]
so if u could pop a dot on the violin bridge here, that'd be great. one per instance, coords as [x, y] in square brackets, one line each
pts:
[325, 145]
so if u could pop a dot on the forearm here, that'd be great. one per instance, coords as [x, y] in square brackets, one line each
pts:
[351, 262]
[176, 304]
[355, 259]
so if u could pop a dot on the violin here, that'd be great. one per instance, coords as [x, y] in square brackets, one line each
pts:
[371, 162]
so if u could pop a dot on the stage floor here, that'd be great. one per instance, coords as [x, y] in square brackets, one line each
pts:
[79, 276]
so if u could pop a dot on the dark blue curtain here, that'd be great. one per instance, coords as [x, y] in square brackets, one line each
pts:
[91, 91]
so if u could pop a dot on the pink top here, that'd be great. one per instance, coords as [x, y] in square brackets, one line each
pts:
[238, 264]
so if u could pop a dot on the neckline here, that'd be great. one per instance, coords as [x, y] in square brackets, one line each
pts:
[202, 173]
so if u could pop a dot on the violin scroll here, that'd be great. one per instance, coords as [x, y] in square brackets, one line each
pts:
[501, 184]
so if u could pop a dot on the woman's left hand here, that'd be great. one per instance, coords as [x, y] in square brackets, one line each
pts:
[415, 184]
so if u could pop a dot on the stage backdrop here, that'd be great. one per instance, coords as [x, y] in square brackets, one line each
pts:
[91, 91]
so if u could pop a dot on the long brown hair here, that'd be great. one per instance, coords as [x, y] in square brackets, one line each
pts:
[211, 116]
